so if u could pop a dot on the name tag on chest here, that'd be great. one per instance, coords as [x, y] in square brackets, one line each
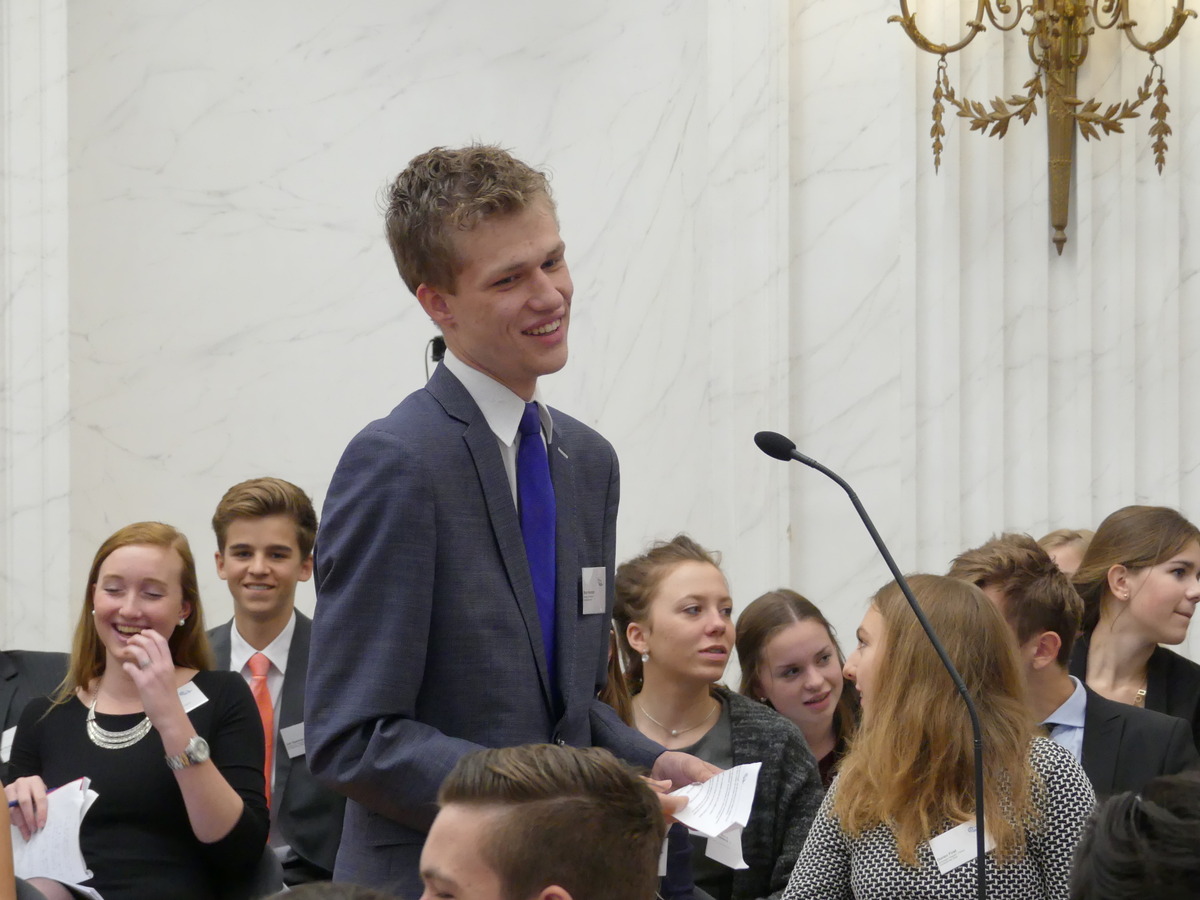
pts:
[191, 696]
[595, 582]
[293, 739]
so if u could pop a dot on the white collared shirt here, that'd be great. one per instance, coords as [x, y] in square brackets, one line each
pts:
[276, 651]
[502, 409]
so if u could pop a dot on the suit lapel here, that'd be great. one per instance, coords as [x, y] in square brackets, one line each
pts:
[221, 643]
[8, 688]
[566, 536]
[291, 704]
[497, 495]
[1102, 732]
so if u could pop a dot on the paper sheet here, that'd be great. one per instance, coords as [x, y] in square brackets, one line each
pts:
[54, 851]
[719, 809]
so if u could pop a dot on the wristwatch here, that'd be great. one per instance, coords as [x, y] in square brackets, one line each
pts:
[193, 754]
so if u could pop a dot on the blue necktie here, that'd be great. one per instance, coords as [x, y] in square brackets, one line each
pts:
[535, 493]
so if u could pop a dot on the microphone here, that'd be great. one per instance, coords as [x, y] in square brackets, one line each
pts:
[783, 448]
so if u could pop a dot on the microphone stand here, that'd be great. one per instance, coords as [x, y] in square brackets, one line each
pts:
[780, 447]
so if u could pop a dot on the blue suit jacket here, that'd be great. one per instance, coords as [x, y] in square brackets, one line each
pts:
[304, 812]
[429, 644]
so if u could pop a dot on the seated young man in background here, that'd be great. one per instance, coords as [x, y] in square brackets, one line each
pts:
[265, 530]
[543, 822]
[1120, 747]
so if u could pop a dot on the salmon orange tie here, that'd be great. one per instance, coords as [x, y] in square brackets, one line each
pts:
[259, 666]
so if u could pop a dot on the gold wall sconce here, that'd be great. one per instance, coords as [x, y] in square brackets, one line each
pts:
[1058, 35]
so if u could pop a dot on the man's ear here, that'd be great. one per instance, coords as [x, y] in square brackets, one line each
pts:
[220, 558]
[554, 892]
[433, 301]
[306, 569]
[1045, 650]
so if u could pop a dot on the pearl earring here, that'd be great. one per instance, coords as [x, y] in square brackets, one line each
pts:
[181, 621]
[646, 657]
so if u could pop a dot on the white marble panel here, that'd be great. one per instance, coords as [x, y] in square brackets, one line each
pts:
[235, 309]
[1046, 390]
[34, 498]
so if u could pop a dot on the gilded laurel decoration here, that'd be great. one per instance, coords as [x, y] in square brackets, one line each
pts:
[1058, 35]
[1086, 113]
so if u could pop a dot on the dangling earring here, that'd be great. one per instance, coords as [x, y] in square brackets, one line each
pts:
[646, 657]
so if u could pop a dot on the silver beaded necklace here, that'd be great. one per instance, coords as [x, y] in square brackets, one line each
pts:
[114, 740]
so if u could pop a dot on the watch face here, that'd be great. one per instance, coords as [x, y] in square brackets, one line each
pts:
[193, 754]
[197, 750]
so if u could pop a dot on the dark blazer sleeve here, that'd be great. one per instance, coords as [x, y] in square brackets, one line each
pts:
[1180, 754]
[308, 813]
[608, 731]
[375, 569]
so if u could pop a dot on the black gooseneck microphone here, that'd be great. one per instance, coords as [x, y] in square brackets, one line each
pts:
[780, 447]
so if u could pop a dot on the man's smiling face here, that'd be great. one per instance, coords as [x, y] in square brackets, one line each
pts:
[510, 308]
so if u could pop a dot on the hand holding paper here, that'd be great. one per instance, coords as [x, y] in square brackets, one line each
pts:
[54, 851]
[719, 809]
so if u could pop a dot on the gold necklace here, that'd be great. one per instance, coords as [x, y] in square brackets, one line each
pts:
[675, 732]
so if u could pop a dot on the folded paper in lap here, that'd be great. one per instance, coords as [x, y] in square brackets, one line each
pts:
[54, 851]
[719, 809]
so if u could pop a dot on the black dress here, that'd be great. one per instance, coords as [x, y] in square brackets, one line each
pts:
[136, 838]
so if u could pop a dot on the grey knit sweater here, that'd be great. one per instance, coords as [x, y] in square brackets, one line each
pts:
[788, 796]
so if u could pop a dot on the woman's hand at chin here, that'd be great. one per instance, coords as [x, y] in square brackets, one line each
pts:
[150, 665]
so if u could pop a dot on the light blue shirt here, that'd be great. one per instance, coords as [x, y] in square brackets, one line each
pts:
[1066, 722]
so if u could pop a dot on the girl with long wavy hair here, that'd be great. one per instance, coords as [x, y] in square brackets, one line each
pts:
[791, 662]
[910, 776]
[674, 627]
[1140, 583]
[174, 750]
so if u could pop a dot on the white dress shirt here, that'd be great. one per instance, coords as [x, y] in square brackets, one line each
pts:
[277, 652]
[502, 409]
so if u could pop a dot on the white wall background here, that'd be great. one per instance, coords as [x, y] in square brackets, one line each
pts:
[197, 289]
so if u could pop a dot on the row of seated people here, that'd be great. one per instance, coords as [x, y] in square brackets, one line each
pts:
[198, 831]
[146, 680]
[1015, 625]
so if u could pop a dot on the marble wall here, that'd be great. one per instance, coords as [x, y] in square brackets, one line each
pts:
[197, 288]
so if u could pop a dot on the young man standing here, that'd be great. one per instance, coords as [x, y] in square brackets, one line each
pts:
[265, 529]
[466, 559]
[541, 822]
[1120, 747]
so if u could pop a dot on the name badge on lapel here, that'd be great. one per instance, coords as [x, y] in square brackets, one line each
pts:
[595, 580]
[293, 739]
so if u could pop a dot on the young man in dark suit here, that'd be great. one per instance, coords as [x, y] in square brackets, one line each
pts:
[1120, 747]
[465, 562]
[24, 674]
[265, 530]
